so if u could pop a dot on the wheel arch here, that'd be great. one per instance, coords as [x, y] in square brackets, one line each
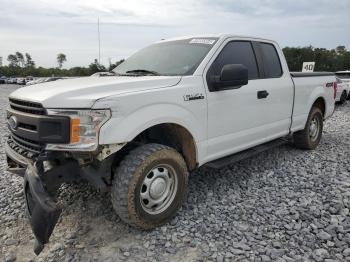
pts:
[173, 135]
[320, 102]
[169, 134]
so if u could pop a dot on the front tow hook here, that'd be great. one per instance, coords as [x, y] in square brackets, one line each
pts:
[43, 211]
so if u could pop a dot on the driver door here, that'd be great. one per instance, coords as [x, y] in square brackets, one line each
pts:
[237, 117]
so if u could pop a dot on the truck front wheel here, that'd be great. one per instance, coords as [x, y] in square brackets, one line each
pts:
[149, 185]
[310, 136]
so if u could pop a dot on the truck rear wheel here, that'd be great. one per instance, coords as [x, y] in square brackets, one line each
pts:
[310, 136]
[343, 97]
[149, 186]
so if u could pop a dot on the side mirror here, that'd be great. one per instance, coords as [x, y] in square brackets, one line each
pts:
[232, 76]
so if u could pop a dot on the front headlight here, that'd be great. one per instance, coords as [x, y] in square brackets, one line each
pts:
[84, 128]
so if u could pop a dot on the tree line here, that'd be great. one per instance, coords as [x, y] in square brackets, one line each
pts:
[20, 65]
[331, 60]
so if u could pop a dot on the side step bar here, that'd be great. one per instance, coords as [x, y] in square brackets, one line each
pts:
[219, 163]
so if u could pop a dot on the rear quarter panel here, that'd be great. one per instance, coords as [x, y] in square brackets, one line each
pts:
[307, 91]
[340, 88]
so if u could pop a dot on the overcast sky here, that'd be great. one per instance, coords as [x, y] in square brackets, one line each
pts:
[45, 28]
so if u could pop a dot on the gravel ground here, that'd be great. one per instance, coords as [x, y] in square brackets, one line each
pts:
[283, 205]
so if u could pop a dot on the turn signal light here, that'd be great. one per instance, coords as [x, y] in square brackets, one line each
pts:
[74, 130]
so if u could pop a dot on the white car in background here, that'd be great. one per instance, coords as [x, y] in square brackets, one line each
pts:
[344, 76]
[342, 91]
[11, 80]
[34, 81]
[20, 81]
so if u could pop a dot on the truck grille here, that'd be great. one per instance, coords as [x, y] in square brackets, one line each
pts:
[31, 128]
[27, 107]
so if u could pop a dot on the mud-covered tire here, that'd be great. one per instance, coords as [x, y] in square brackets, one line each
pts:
[132, 176]
[308, 138]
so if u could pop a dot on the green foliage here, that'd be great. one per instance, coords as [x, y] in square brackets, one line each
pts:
[12, 60]
[61, 58]
[96, 67]
[48, 72]
[23, 65]
[325, 60]
[29, 62]
[112, 66]
[20, 59]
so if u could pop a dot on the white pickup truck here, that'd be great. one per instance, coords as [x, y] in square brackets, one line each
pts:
[168, 109]
[343, 87]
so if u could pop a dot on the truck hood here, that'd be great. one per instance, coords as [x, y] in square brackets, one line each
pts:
[84, 91]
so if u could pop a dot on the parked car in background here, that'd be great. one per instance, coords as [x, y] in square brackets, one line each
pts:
[28, 79]
[344, 76]
[3, 79]
[31, 82]
[342, 91]
[36, 81]
[21, 81]
[12, 80]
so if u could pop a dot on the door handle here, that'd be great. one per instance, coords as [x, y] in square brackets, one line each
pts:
[262, 94]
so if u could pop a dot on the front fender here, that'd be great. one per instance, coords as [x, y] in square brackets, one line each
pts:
[121, 129]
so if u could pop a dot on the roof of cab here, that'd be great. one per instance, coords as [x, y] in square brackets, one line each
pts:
[220, 36]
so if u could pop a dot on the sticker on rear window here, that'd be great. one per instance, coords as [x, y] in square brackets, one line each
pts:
[202, 41]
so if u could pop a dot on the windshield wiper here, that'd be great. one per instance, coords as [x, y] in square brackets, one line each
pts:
[143, 71]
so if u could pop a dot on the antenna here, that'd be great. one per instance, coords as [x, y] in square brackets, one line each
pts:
[99, 40]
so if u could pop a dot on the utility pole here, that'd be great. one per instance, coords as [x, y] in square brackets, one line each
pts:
[99, 40]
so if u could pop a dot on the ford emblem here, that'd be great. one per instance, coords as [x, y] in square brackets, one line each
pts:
[13, 123]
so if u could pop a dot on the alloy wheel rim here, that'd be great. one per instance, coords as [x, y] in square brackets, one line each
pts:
[158, 189]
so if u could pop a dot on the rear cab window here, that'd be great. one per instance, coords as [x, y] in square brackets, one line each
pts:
[270, 61]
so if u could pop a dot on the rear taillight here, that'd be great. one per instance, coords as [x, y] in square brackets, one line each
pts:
[335, 89]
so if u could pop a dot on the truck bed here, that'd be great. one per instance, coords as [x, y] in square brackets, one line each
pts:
[308, 86]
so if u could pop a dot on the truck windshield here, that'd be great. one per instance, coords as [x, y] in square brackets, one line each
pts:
[180, 57]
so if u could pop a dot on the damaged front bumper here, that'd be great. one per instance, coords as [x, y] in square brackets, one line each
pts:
[41, 183]
[42, 210]
[16, 163]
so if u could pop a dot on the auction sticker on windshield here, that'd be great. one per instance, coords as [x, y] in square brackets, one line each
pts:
[202, 41]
